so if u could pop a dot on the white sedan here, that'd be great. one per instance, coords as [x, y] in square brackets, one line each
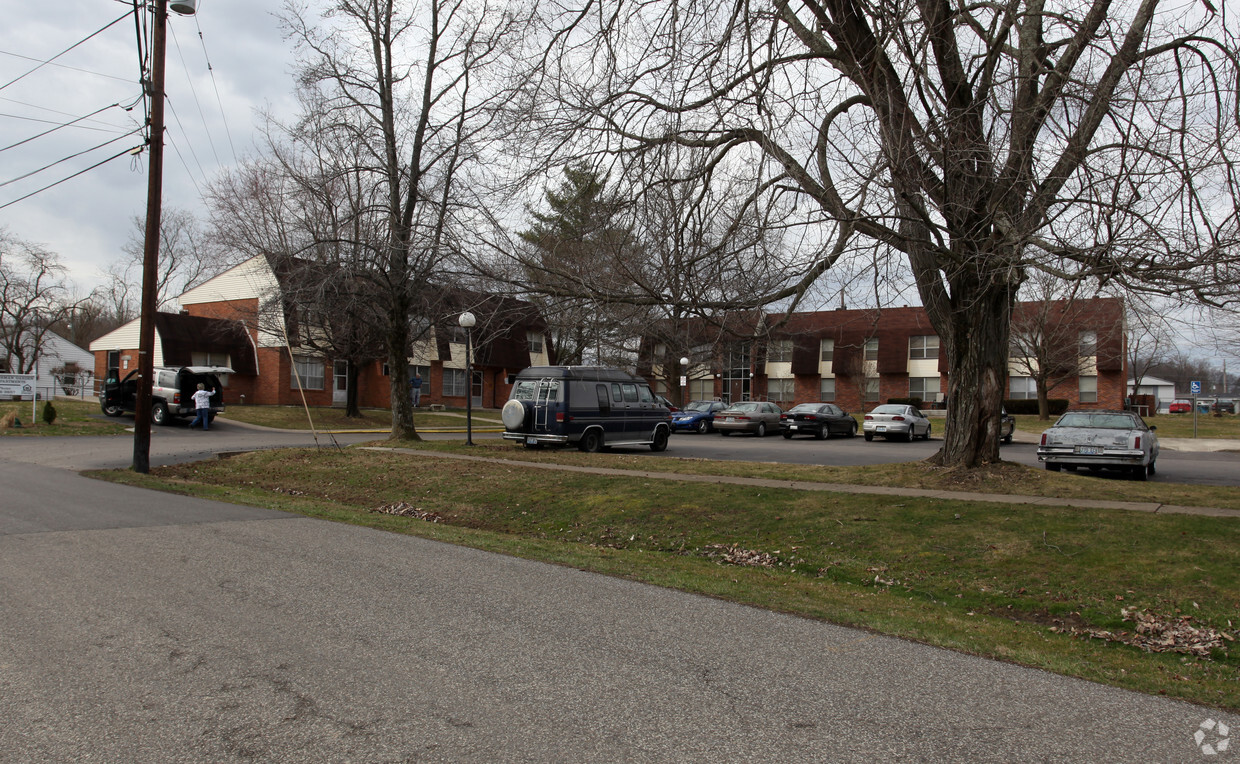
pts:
[1095, 439]
[896, 420]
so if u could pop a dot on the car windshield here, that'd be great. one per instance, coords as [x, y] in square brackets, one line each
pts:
[745, 407]
[889, 410]
[1107, 421]
[698, 406]
[805, 408]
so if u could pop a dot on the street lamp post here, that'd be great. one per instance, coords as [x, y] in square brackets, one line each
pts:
[684, 379]
[150, 250]
[467, 322]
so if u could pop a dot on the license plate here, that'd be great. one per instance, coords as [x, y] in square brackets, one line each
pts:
[881, 428]
[727, 419]
[793, 426]
[531, 441]
[1088, 450]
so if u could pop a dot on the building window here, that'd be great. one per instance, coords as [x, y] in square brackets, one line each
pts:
[1089, 390]
[536, 341]
[453, 383]
[1089, 344]
[781, 390]
[827, 353]
[871, 350]
[701, 389]
[871, 389]
[826, 391]
[1022, 388]
[923, 346]
[210, 359]
[310, 371]
[779, 351]
[923, 388]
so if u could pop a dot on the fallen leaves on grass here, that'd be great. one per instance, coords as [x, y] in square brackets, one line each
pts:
[1157, 633]
[731, 554]
[408, 510]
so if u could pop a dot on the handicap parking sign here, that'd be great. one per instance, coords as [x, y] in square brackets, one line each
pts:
[1194, 388]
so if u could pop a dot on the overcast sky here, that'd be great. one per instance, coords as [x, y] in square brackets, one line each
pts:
[211, 115]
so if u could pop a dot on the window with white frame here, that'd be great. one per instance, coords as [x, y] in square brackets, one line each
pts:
[1022, 388]
[310, 371]
[871, 350]
[535, 340]
[781, 390]
[827, 351]
[1088, 344]
[871, 389]
[923, 388]
[1089, 390]
[826, 390]
[779, 351]
[454, 383]
[923, 346]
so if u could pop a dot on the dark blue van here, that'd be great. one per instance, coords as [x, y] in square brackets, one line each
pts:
[592, 407]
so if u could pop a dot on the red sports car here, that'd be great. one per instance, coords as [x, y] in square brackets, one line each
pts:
[1180, 407]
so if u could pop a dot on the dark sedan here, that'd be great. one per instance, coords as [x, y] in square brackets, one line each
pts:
[817, 419]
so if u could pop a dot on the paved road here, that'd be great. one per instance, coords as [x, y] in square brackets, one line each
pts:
[137, 626]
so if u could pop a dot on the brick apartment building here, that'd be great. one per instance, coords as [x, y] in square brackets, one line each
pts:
[859, 358]
[226, 321]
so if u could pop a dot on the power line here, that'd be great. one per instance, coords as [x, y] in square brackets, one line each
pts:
[63, 66]
[71, 177]
[216, 86]
[66, 159]
[59, 125]
[61, 53]
[194, 92]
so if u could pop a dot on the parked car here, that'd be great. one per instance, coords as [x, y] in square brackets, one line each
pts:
[1100, 439]
[758, 417]
[591, 407]
[817, 419]
[1224, 406]
[172, 392]
[1180, 407]
[896, 420]
[697, 416]
[1007, 426]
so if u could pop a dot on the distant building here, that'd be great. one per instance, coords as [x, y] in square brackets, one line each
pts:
[1162, 391]
[62, 368]
[227, 321]
[859, 358]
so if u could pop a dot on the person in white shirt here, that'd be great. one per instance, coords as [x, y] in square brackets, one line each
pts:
[202, 406]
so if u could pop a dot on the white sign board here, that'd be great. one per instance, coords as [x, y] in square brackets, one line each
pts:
[17, 385]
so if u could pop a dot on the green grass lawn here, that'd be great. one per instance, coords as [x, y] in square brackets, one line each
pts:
[73, 417]
[328, 418]
[1018, 583]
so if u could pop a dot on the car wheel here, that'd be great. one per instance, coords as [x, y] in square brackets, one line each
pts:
[1006, 440]
[1150, 469]
[1052, 466]
[591, 441]
[725, 433]
[761, 432]
[821, 433]
[703, 426]
[927, 435]
[787, 435]
[159, 414]
[1139, 473]
[852, 430]
[660, 440]
[111, 409]
[869, 436]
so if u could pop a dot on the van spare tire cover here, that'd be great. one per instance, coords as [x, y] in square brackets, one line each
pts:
[513, 415]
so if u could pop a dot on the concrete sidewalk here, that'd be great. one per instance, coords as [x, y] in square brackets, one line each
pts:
[796, 485]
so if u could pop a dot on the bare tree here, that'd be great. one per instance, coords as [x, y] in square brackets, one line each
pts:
[1091, 141]
[32, 288]
[403, 82]
[1151, 337]
[186, 259]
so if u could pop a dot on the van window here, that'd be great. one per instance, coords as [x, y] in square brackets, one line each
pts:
[616, 394]
[646, 395]
[630, 392]
[604, 400]
[536, 389]
[523, 390]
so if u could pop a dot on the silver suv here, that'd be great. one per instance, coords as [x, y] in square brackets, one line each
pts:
[172, 394]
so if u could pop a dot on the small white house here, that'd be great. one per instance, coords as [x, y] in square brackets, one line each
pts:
[63, 368]
[1162, 390]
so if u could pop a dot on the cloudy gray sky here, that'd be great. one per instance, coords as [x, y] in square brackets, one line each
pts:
[211, 115]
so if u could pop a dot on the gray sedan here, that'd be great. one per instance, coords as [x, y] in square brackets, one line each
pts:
[896, 420]
[1097, 440]
[758, 417]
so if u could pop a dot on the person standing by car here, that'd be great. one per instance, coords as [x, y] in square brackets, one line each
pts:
[202, 406]
[415, 388]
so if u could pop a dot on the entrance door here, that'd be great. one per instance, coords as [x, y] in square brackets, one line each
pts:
[340, 383]
[475, 389]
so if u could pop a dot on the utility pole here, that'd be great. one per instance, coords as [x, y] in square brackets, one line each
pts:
[150, 250]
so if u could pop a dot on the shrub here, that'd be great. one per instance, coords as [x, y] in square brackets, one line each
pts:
[49, 412]
[918, 402]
